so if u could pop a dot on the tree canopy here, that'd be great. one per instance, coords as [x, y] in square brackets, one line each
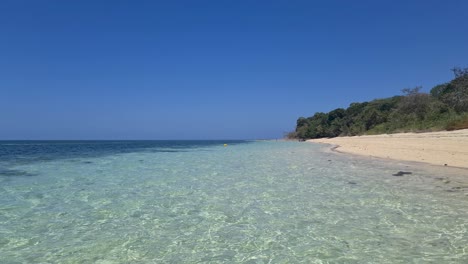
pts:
[444, 107]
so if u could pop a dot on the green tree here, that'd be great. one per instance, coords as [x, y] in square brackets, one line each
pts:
[415, 103]
[456, 94]
[439, 90]
[445, 107]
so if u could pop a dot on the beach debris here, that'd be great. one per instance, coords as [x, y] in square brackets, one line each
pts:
[401, 173]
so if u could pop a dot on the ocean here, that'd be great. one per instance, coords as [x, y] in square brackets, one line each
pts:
[204, 202]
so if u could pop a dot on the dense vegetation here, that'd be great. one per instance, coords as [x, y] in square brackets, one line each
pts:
[444, 108]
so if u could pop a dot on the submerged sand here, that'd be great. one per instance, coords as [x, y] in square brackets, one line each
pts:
[445, 148]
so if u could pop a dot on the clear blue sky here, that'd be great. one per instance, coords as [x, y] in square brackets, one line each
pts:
[212, 69]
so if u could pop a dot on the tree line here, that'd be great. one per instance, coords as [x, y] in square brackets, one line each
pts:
[444, 108]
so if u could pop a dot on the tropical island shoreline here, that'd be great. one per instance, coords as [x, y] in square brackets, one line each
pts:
[443, 148]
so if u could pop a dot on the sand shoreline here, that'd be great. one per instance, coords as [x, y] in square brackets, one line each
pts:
[443, 148]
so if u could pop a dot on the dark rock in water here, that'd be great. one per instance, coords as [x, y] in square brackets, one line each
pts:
[401, 173]
[351, 182]
[15, 173]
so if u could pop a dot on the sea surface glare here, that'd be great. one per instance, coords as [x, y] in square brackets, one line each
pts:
[203, 202]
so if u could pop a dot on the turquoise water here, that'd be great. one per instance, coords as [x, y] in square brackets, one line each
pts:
[200, 202]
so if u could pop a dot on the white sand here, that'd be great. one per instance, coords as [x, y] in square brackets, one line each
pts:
[438, 148]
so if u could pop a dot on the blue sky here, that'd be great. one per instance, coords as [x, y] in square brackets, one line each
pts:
[212, 69]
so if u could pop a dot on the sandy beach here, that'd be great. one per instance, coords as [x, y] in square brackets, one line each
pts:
[444, 148]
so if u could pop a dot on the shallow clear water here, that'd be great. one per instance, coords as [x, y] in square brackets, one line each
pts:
[200, 202]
